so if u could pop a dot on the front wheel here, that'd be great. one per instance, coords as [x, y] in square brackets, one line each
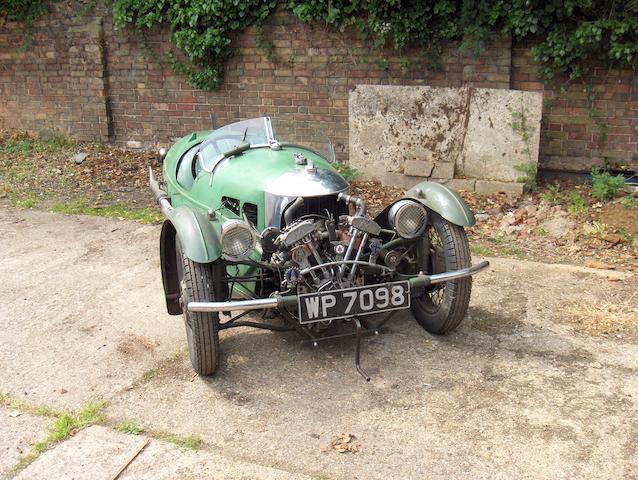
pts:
[440, 308]
[196, 282]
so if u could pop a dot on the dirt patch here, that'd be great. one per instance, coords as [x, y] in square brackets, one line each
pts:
[543, 226]
[619, 217]
[615, 313]
[134, 345]
[44, 172]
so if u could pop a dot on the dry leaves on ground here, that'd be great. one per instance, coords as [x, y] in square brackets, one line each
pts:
[342, 443]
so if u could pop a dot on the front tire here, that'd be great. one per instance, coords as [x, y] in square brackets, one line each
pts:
[441, 308]
[196, 282]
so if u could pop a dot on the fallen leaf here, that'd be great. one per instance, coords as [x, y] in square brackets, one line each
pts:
[342, 443]
[614, 238]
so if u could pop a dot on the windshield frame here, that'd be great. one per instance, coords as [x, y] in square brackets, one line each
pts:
[209, 153]
[260, 127]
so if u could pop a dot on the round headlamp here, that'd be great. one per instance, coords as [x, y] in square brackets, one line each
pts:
[408, 218]
[237, 239]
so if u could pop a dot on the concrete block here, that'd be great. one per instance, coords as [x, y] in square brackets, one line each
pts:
[418, 168]
[399, 180]
[461, 184]
[391, 125]
[443, 170]
[99, 452]
[486, 187]
[475, 132]
[503, 130]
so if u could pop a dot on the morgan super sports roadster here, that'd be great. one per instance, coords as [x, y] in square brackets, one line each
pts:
[257, 224]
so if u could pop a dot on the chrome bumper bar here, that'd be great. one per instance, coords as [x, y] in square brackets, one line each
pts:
[243, 305]
[291, 300]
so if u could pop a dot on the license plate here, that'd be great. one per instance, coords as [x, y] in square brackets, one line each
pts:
[355, 301]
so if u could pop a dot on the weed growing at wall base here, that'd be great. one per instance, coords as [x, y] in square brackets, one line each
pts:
[605, 186]
[529, 171]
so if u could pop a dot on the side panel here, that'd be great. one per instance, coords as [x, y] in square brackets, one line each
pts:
[444, 201]
[200, 242]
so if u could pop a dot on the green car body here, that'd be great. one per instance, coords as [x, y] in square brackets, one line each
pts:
[239, 185]
[246, 177]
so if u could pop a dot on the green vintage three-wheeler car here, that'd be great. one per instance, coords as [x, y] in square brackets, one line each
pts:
[257, 224]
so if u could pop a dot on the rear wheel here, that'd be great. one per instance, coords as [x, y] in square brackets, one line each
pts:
[442, 307]
[196, 282]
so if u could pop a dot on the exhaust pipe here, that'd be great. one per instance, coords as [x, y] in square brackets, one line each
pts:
[160, 195]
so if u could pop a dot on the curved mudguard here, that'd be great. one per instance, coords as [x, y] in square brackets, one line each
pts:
[444, 201]
[197, 235]
[199, 240]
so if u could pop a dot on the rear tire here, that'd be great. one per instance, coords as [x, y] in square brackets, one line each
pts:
[441, 308]
[202, 328]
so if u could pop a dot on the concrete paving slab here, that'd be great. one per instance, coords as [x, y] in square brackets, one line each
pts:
[95, 453]
[163, 461]
[18, 433]
[98, 453]
[82, 313]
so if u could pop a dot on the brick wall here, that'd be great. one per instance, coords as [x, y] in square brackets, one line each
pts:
[58, 83]
[305, 89]
[83, 77]
[587, 122]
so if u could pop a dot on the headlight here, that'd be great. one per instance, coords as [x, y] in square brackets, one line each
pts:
[238, 239]
[408, 218]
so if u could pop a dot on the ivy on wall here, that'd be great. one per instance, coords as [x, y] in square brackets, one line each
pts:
[24, 11]
[568, 36]
[200, 29]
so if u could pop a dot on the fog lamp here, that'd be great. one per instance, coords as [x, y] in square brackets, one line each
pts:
[408, 218]
[238, 239]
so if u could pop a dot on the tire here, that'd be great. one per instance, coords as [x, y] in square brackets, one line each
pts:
[202, 328]
[441, 308]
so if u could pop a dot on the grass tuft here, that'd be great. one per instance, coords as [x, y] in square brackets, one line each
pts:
[81, 207]
[150, 374]
[92, 414]
[481, 250]
[132, 428]
[8, 401]
[190, 442]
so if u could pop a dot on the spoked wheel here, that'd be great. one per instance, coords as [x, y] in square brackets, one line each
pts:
[196, 282]
[444, 247]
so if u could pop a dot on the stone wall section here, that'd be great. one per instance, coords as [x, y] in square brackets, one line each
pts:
[471, 138]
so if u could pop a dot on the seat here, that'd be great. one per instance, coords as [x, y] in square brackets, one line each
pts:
[185, 168]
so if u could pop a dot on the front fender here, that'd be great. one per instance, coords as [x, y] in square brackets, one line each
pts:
[198, 236]
[200, 243]
[444, 201]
